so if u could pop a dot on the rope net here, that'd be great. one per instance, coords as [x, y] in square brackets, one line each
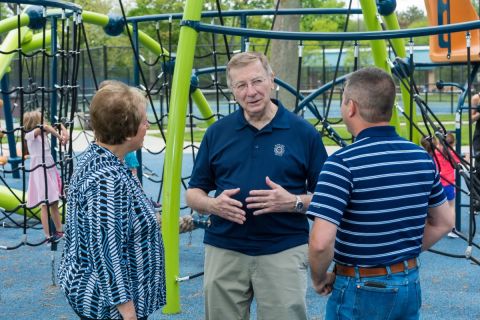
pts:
[59, 80]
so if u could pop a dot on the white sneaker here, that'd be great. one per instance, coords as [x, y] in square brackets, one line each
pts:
[452, 234]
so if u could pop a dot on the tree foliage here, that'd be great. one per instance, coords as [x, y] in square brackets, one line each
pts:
[410, 15]
[419, 41]
[323, 23]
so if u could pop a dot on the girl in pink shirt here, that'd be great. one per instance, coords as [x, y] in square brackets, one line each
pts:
[43, 179]
[444, 162]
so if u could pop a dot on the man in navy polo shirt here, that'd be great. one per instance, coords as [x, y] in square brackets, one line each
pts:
[261, 161]
[378, 203]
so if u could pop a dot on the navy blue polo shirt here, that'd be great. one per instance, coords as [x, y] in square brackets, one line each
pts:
[234, 154]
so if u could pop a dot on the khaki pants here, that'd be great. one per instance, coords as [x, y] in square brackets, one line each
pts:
[278, 282]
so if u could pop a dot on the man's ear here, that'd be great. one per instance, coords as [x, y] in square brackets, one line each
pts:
[352, 108]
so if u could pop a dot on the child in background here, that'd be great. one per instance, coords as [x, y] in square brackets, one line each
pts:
[447, 172]
[36, 182]
[428, 144]
[132, 162]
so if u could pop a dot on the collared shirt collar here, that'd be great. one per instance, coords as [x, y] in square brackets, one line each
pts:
[280, 120]
[377, 131]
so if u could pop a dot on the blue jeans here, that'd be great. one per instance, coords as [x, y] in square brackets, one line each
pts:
[393, 296]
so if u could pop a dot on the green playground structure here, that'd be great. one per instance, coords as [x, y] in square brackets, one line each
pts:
[181, 83]
[181, 92]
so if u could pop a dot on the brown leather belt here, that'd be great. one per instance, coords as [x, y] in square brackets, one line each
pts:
[349, 271]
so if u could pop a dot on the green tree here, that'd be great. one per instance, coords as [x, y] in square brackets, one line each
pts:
[323, 23]
[419, 41]
[364, 56]
[410, 15]
[284, 54]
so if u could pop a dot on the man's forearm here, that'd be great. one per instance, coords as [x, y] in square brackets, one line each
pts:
[439, 222]
[198, 200]
[433, 234]
[306, 199]
[319, 263]
[321, 248]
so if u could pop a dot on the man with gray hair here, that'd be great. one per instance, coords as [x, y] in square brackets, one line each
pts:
[378, 203]
[261, 161]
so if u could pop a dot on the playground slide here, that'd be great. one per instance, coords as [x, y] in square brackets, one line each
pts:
[11, 198]
[452, 47]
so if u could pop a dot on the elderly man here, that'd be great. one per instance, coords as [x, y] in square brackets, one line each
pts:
[261, 161]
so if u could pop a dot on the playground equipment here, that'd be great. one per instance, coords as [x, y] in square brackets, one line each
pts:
[451, 47]
[185, 84]
[184, 60]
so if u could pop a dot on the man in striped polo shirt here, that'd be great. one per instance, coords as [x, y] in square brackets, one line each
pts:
[378, 203]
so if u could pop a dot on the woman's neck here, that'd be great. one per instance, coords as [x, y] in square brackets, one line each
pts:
[117, 149]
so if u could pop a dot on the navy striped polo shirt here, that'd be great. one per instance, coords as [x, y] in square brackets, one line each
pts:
[377, 191]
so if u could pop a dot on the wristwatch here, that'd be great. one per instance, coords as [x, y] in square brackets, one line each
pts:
[298, 204]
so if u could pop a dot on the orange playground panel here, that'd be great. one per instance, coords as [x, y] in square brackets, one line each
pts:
[452, 47]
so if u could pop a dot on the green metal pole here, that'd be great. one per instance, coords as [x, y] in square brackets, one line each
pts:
[95, 18]
[37, 41]
[379, 48]
[203, 106]
[9, 44]
[102, 20]
[11, 23]
[151, 44]
[391, 21]
[174, 153]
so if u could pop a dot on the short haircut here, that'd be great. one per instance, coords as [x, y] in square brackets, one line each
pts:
[374, 91]
[115, 114]
[243, 59]
[105, 83]
[450, 138]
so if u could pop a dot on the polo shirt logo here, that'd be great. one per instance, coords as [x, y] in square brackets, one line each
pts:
[279, 150]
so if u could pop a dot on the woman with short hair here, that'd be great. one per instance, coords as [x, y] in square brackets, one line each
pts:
[113, 260]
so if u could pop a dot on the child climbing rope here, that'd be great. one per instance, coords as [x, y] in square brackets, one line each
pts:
[43, 189]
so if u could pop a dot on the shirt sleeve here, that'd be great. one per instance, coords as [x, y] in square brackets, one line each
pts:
[332, 193]
[30, 135]
[437, 195]
[108, 211]
[203, 176]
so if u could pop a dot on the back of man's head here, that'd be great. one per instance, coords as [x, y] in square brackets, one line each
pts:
[374, 92]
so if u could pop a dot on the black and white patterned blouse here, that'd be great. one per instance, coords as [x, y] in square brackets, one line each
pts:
[113, 247]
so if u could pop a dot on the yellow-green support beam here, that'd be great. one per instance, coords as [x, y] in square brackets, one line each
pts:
[379, 47]
[391, 21]
[174, 153]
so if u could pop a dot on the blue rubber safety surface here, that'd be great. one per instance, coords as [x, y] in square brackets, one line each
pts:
[450, 286]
